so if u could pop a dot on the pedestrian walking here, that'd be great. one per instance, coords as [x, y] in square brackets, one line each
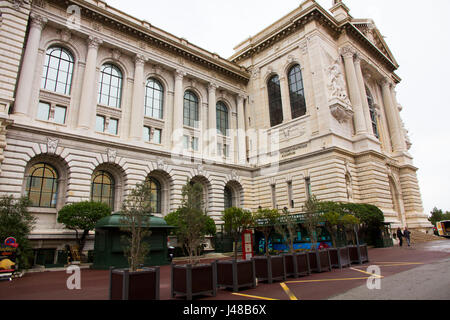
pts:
[407, 235]
[400, 236]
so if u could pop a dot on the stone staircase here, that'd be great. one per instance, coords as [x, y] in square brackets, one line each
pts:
[418, 236]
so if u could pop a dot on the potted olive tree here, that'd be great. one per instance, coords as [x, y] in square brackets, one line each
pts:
[296, 263]
[268, 268]
[193, 278]
[236, 273]
[319, 259]
[350, 223]
[340, 256]
[136, 282]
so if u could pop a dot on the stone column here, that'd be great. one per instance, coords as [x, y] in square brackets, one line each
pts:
[137, 108]
[394, 126]
[362, 89]
[398, 116]
[88, 103]
[285, 99]
[355, 95]
[177, 128]
[242, 143]
[28, 69]
[212, 120]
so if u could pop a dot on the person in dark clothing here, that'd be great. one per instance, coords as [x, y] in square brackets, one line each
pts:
[400, 236]
[407, 235]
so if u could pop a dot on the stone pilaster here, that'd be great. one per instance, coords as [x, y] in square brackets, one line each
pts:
[398, 144]
[355, 95]
[212, 120]
[88, 102]
[177, 131]
[242, 141]
[23, 93]
[362, 90]
[137, 109]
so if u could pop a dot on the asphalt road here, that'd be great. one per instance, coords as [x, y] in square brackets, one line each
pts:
[428, 282]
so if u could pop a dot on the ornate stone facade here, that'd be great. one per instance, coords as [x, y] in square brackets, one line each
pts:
[333, 143]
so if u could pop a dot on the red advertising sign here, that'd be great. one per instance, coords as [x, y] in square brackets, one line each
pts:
[247, 244]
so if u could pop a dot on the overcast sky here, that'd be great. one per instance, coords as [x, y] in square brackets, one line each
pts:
[417, 32]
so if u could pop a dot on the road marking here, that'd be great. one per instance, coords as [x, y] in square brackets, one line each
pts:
[371, 274]
[288, 291]
[250, 296]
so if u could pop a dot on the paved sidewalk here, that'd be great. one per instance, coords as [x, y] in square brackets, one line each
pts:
[427, 282]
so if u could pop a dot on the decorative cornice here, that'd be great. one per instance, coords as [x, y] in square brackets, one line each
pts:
[146, 35]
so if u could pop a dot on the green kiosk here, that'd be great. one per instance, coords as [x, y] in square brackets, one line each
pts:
[109, 247]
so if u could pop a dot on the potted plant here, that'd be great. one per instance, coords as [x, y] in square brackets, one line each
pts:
[296, 263]
[319, 259]
[193, 278]
[236, 274]
[136, 282]
[340, 257]
[268, 268]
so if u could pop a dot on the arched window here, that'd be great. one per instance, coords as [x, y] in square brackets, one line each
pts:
[275, 105]
[222, 118]
[102, 188]
[373, 113]
[296, 92]
[42, 186]
[154, 94]
[190, 110]
[228, 198]
[58, 70]
[155, 195]
[110, 86]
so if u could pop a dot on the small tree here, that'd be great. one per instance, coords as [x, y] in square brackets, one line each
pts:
[265, 220]
[82, 216]
[17, 222]
[332, 221]
[236, 221]
[312, 218]
[288, 228]
[192, 226]
[349, 221]
[135, 220]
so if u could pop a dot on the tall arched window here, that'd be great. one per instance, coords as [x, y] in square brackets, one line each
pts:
[275, 105]
[154, 94]
[228, 198]
[110, 86]
[155, 194]
[190, 110]
[373, 113]
[102, 188]
[42, 186]
[222, 118]
[296, 92]
[58, 70]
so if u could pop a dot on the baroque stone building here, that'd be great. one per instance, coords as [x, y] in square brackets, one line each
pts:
[94, 101]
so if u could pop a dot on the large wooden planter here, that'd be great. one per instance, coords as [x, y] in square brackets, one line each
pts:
[359, 254]
[340, 257]
[138, 285]
[236, 274]
[297, 264]
[291, 265]
[303, 268]
[319, 261]
[270, 268]
[189, 281]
